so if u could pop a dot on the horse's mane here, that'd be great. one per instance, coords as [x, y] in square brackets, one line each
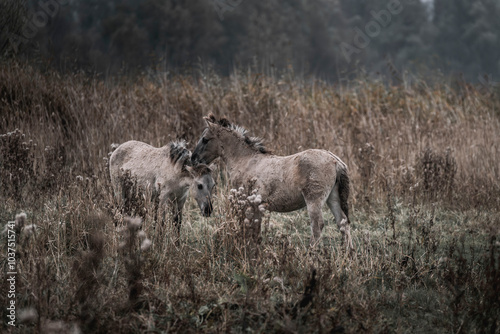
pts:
[255, 143]
[179, 153]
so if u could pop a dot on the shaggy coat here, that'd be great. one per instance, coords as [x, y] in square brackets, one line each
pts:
[286, 183]
[164, 172]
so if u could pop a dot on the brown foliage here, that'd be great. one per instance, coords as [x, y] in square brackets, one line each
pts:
[426, 236]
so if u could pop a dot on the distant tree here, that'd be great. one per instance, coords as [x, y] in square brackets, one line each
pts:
[404, 40]
[13, 15]
[181, 31]
[387, 30]
[483, 36]
[326, 38]
[468, 36]
[303, 34]
[267, 31]
[327, 30]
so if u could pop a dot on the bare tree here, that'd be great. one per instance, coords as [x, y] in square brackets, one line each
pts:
[12, 20]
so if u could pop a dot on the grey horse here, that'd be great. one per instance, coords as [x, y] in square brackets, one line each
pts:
[166, 172]
[286, 183]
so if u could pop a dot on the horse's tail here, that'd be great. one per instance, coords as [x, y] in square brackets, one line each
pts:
[343, 186]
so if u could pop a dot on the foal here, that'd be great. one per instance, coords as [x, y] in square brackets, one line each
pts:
[167, 172]
[286, 183]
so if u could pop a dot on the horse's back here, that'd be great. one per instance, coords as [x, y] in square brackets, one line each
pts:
[136, 150]
[284, 180]
[129, 150]
[314, 161]
[142, 160]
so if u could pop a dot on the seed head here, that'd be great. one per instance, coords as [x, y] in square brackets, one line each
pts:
[29, 229]
[27, 315]
[133, 224]
[146, 243]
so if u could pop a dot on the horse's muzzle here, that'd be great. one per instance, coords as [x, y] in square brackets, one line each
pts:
[207, 211]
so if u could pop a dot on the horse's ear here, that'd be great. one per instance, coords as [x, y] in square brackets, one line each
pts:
[210, 119]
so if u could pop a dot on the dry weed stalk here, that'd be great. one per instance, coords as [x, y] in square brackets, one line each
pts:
[133, 200]
[16, 164]
[435, 271]
[249, 212]
[134, 243]
[437, 173]
[87, 273]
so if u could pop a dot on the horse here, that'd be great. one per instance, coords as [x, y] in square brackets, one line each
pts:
[308, 179]
[167, 172]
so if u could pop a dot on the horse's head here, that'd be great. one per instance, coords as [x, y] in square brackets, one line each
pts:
[208, 147]
[202, 187]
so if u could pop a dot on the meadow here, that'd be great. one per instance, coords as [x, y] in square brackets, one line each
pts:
[424, 164]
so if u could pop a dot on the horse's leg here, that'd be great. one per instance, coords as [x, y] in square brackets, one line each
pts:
[116, 188]
[163, 203]
[333, 203]
[117, 199]
[177, 206]
[177, 216]
[314, 206]
[155, 199]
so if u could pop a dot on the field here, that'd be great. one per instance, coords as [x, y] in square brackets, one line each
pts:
[424, 164]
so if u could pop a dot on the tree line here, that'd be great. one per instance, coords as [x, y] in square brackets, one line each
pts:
[325, 38]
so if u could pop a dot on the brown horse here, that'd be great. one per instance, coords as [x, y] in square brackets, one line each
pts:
[286, 183]
[166, 172]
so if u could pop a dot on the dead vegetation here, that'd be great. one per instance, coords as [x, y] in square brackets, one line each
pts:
[424, 165]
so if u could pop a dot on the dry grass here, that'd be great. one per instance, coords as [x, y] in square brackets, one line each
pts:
[424, 163]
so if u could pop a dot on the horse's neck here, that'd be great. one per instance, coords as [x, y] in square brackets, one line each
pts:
[238, 165]
[175, 174]
[185, 181]
[237, 154]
